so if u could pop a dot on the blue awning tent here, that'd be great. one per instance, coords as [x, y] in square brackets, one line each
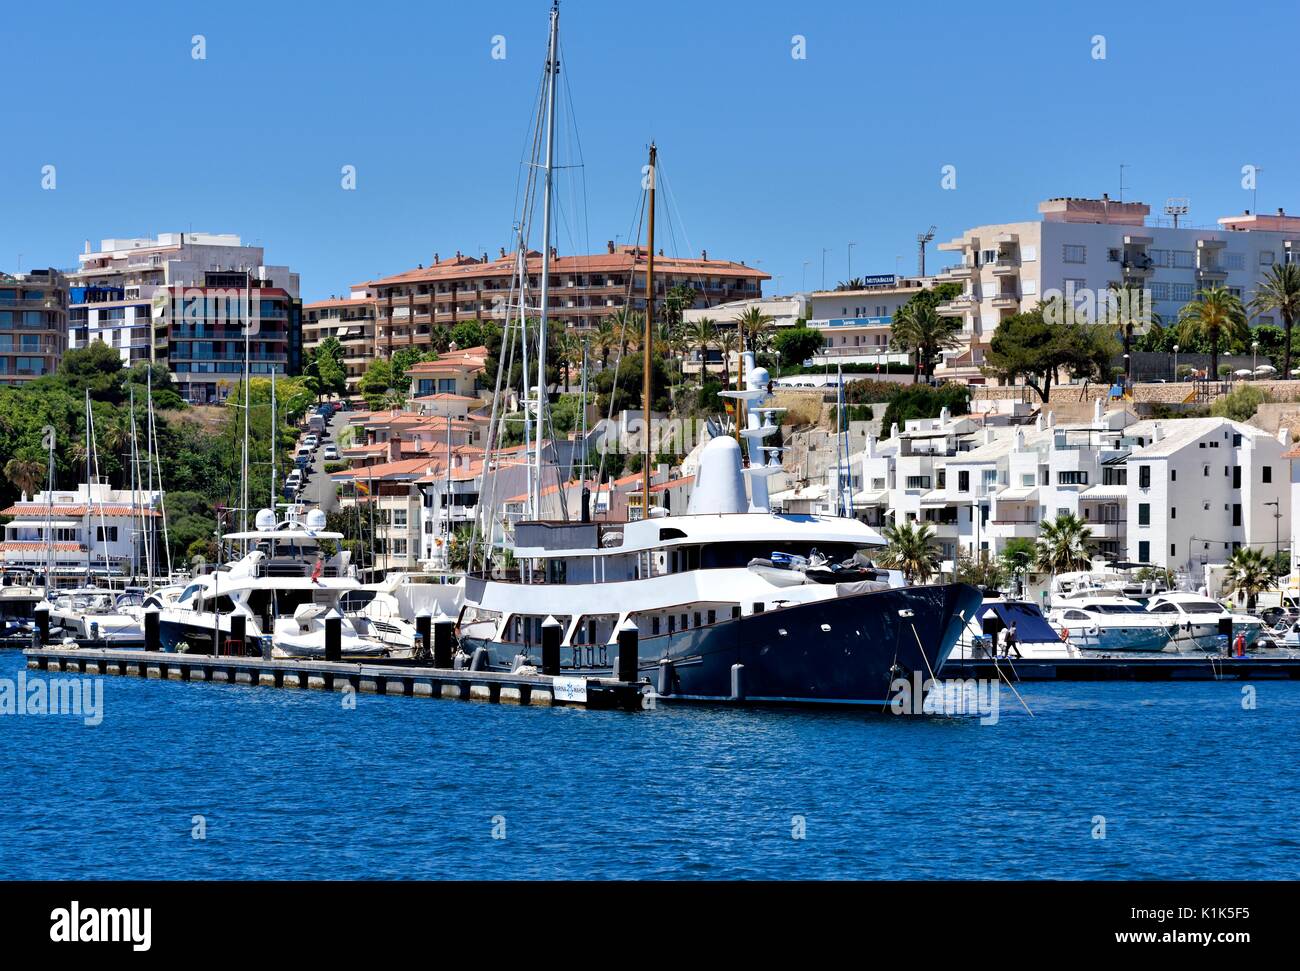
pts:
[1031, 625]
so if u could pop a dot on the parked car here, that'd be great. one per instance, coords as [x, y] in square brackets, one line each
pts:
[311, 441]
[331, 452]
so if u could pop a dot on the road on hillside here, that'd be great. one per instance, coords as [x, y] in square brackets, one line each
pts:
[319, 489]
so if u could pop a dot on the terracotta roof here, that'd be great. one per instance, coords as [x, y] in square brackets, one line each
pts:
[64, 510]
[401, 469]
[624, 259]
[339, 302]
[445, 396]
[25, 547]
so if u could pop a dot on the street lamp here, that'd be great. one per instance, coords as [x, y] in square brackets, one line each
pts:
[1128, 369]
[1254, 357]
[1175, 362]
[850, 270]
[1277, 527]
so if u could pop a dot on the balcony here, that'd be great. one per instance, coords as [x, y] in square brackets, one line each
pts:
[959, 272]
[1005, 299]
[958, 306]
[1007, 265]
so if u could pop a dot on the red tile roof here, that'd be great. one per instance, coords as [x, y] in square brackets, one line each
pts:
[64, 510]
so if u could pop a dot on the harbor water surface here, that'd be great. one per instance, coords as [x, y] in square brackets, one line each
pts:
[1182, 781]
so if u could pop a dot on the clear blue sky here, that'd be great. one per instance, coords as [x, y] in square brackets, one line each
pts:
[769, 158]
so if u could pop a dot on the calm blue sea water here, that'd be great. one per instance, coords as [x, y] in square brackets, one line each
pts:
[294, 786]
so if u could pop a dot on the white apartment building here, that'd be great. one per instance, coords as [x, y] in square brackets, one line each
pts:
[1201, 487]
[1175, 494]
[110, 292]
[95, 531]
[1083, 247]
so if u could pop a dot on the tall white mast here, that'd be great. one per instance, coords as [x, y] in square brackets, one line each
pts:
[273, 437]
[243, 482]
[552, 71]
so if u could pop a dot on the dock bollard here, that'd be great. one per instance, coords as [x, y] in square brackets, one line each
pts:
[333, 637]
[152, 634]
[551, 646]
[238, 635]
[628, 638]
[424, 629]
[42, 616]
[442, 625]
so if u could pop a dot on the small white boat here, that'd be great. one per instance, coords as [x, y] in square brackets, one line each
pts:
[93, 614]
[1202, 624]
[1113, 623]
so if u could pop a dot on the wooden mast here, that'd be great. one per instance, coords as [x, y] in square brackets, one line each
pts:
[645, 343]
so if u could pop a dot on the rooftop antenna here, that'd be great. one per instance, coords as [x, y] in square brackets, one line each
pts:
[1122, 167]
[1175, 207]
[921, 240]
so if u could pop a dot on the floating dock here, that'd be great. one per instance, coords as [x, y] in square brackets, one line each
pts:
[401, 678]
[1111, 668]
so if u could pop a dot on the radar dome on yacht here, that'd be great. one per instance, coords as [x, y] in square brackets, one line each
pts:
[265, 519]
[759, 377]
[719, 483]
[315, 519]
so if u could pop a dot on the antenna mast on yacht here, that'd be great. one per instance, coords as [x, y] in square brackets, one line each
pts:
[273, 427]
[552, 71]
[645, 338]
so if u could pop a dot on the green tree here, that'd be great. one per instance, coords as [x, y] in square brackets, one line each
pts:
[984, 571]
[1249, 572]
[1241, 404]
[1064, 544]
[757, 330]
[1216, 315]
[1280, 293]
[679, 299]
[1026, 346]
[25, 474]
[909, 401]
[376, 382]
[797, 344]
[700, 334]
[910, 548]
[920, 330]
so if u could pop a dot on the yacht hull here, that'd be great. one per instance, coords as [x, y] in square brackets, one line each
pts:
[847, 650]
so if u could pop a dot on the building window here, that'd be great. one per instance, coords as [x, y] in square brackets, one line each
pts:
[1236, 514]
[1072, 478]
[1267, 472]
[963, 481]
[1172, 550]
[1144, 552]
[1236, 476]
[103, 533]
[1144, 477]
[1074, 253]
[1144, 514]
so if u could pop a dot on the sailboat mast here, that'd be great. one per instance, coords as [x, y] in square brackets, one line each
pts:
[89, 543]
[552, 70]
[49, 513]
[645, 340]
[273, 437]
[243, 482]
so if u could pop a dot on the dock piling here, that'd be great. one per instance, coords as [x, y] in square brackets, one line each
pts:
[333, 637]
[628, 639]
[42, 615]
[424, 628]
[152, 630]
[442, 625]
[551, 646]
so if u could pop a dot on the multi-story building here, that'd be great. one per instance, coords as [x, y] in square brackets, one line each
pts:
[96, 531]
[33, 324]
[200, 332]
[351, 320]
[412, 305]
[1081, 249]
[1198, 488]
[857, 324]
[112, 291]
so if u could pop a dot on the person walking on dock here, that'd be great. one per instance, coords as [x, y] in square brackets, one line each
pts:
[1013, 641]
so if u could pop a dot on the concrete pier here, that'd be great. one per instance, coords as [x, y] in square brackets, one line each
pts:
[409, 680]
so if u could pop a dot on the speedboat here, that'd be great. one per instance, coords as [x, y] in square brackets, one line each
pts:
[1036, 639]
[1203, 624]
[790, 569]
[92, 614]
[283, 588]
[1099, 622]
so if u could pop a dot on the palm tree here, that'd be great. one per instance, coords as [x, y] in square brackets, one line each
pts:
[605, 338]
[701, 333]
[1280, 292]
[920, 329]
[910, 548]
[568, 352]
[1249, 572]
[757, 329]
[1064, 544]
[857, 283]
[677, 301]
[728, 342]
[1217, 316]
[25, 474]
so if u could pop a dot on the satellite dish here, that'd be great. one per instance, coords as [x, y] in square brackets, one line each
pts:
[315, 519]
[265, 519]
